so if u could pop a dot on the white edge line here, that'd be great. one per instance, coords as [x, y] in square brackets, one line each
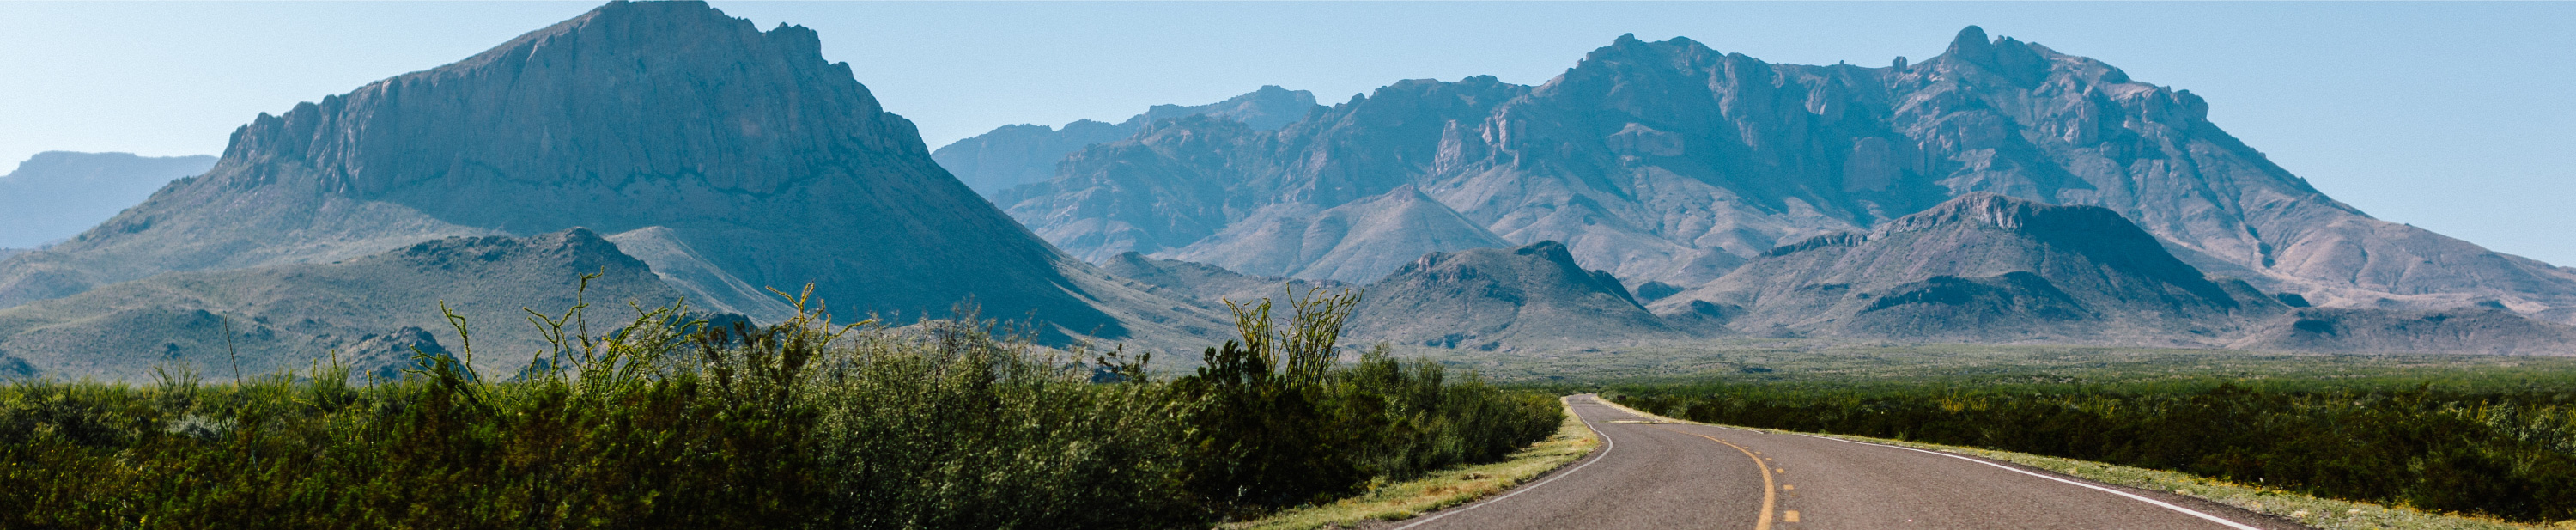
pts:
[1607, 445]
[2169, 506]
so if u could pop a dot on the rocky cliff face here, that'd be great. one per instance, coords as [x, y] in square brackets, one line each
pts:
[1013, 155]
[1982, 267]
[765, 161]
[373, 309]
[56, 194]
[1673, 163]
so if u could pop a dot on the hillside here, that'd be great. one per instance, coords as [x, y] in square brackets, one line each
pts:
[372, 308]
[1980, 268]
[1526, 298]
[56, 194]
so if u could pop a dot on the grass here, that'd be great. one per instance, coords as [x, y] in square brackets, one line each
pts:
[2314, 511]
[1447, 487]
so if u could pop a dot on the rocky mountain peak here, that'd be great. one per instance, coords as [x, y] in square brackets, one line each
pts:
[1971, 45]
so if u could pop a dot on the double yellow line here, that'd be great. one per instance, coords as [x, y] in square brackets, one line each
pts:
[1770, 490]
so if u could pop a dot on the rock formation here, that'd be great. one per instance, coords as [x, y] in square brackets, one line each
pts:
[742, 149]
[1672, 163]
[56, 194]
[1013, 155]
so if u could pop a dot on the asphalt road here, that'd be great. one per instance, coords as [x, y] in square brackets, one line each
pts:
[1673, 475]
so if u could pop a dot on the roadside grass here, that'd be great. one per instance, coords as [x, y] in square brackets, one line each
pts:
[2328, 514]
[1451, 486]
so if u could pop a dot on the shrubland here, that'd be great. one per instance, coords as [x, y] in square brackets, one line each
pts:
[670, 421]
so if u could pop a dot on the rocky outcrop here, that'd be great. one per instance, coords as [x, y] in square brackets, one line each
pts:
[1671, 162]
[1013, 155]
[56, 194]
[372, 309]
[1531, 297]
[744, 147]
[1980, 268]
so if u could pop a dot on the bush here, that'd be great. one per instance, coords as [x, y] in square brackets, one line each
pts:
[669, 421]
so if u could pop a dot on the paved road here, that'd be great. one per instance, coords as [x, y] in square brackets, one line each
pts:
[1669, 475]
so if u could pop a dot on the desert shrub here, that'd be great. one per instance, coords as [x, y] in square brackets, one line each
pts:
[1281, 422]
[668, 421]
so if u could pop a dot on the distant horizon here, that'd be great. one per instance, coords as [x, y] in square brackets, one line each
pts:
[2438, 115]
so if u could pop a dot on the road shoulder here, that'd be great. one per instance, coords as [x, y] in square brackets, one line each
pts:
[2270, 505]
[1457, 485]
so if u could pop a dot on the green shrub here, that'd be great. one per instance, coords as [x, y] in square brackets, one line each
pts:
[667, 421]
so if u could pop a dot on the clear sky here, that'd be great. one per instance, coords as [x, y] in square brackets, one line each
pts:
[2451, 116]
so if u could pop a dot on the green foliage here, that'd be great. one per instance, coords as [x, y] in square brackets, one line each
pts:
[668, 421]
[2502, 448]
[1281, 422]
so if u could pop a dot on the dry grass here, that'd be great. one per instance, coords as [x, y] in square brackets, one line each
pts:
[1453, 486]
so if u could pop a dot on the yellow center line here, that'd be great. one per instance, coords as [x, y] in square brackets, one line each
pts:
[1770, 492]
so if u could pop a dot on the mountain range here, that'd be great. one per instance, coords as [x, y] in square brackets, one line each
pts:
[1655, 193]
[1670, 163]
[57, 194]
[734, 160]
[1013, 155]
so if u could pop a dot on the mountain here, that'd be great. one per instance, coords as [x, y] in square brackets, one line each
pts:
[373, 309]
[753, 156]
[1020, 154]
[1672, 163]
[1209, 285]
[56, 194]
[2487, 330]
[1491, 299]
[1983, 268]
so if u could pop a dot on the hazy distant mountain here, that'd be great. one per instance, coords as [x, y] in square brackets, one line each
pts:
[1020, 154]
[56, 194]
[1672, 163]
[1982, 267]
[754, 157]
[372, 308]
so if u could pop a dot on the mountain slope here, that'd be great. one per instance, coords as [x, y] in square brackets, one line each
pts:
[766, 161]
[1982, 267]
[56, 194]
[372, 308]
[1673, 162]
[1013, 155]
[1500, 299]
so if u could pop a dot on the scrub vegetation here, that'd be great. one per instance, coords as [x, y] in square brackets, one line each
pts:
[2501, 446]
[668, 421]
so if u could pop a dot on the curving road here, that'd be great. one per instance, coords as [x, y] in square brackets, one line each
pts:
[1673, 475]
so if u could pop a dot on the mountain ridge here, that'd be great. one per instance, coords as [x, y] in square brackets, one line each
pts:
[765, 161]
[1671, 162]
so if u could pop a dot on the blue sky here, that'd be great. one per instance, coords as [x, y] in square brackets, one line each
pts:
[2450, 116]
